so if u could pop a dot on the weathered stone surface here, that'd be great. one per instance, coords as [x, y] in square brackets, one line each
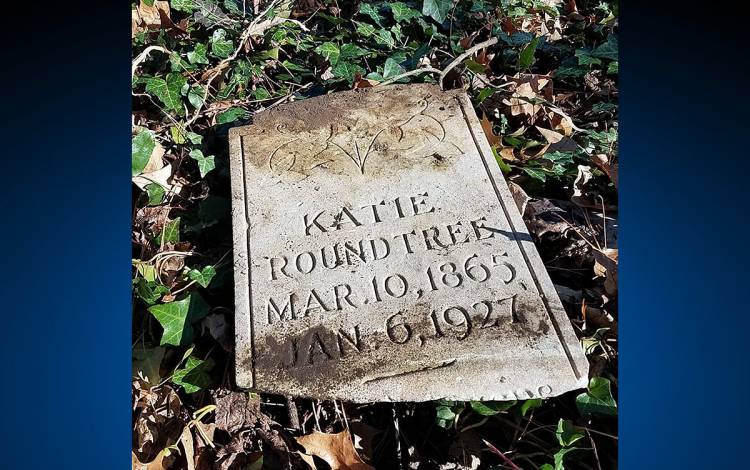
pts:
[379, 255]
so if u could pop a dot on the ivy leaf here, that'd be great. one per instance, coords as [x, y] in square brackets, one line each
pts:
[607, 50]
[205, 164]
[567, 433]
[149, 291]
[364, 29]
[526, 58]
[195, 96]
[437, 9]
[402, 12]
[536, 174]
[143, 145]
[385, 38]
[347, 71]
[352, 51]
[491, 408]
[529, 405]
[176, 318]
[168, 91]
[372, 12]
[560, 456]
[194, 376]
[220, 46]
[329, 51]
[198, 55]
[171, 232]
[203, 276]
[597, 399]
[391, 68]
[585, 57]
[186, 6]
[155, 193]
[613, 68]
[231, 115]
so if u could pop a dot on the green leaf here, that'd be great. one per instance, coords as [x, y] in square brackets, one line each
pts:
[597, 399]
[607, 50]
[437, 9]
[176, 318]
[385, 38]
[529, 405]
[526, 58]
[372, 12]
[402, 12]
[143, 145]
[168, 91]
[203, 276]
[347, 71]
[171, 232]
[567, 433]
[391, 68]
[155, 194]
[195, 96]
[329, 51]
[546, 466]
[220, 46]
[231, 115]
[205, 164]
[149, 291]
[486, 93]
[613, 68]
[147, 362]
[474, 66]
[364, 29]
[186, 6]
[198, 55]
[490, 408]
[536, 174]
[352, 51]
[560, 456]
[194, 376]
[585, 57]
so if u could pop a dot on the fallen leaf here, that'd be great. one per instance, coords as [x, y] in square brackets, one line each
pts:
[583, 177]
[519, 196]
[236, 411]
[603, 163]
[492, 138]
[150, 17]
[161, 177]
[605, 265]
[336, 450]
[159, 463]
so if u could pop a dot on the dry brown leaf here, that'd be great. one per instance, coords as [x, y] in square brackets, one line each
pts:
[519, 196]
[603, 163]
[161, 462]
[606, 265]
[492, 138]
[336, 450]
[556, 142]
[150, 17]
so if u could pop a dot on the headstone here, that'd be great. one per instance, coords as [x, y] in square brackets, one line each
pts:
[379, 256]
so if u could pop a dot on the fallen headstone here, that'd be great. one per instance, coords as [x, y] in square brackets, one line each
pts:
[379, 256]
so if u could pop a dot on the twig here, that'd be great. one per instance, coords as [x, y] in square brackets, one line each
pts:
[463, 56]
[444, 72]
[409, 74]
[143, 55]
[507, 461]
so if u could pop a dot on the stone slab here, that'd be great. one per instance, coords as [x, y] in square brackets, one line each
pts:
[379, 256]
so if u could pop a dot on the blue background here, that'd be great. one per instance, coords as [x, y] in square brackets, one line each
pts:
[65, 392]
